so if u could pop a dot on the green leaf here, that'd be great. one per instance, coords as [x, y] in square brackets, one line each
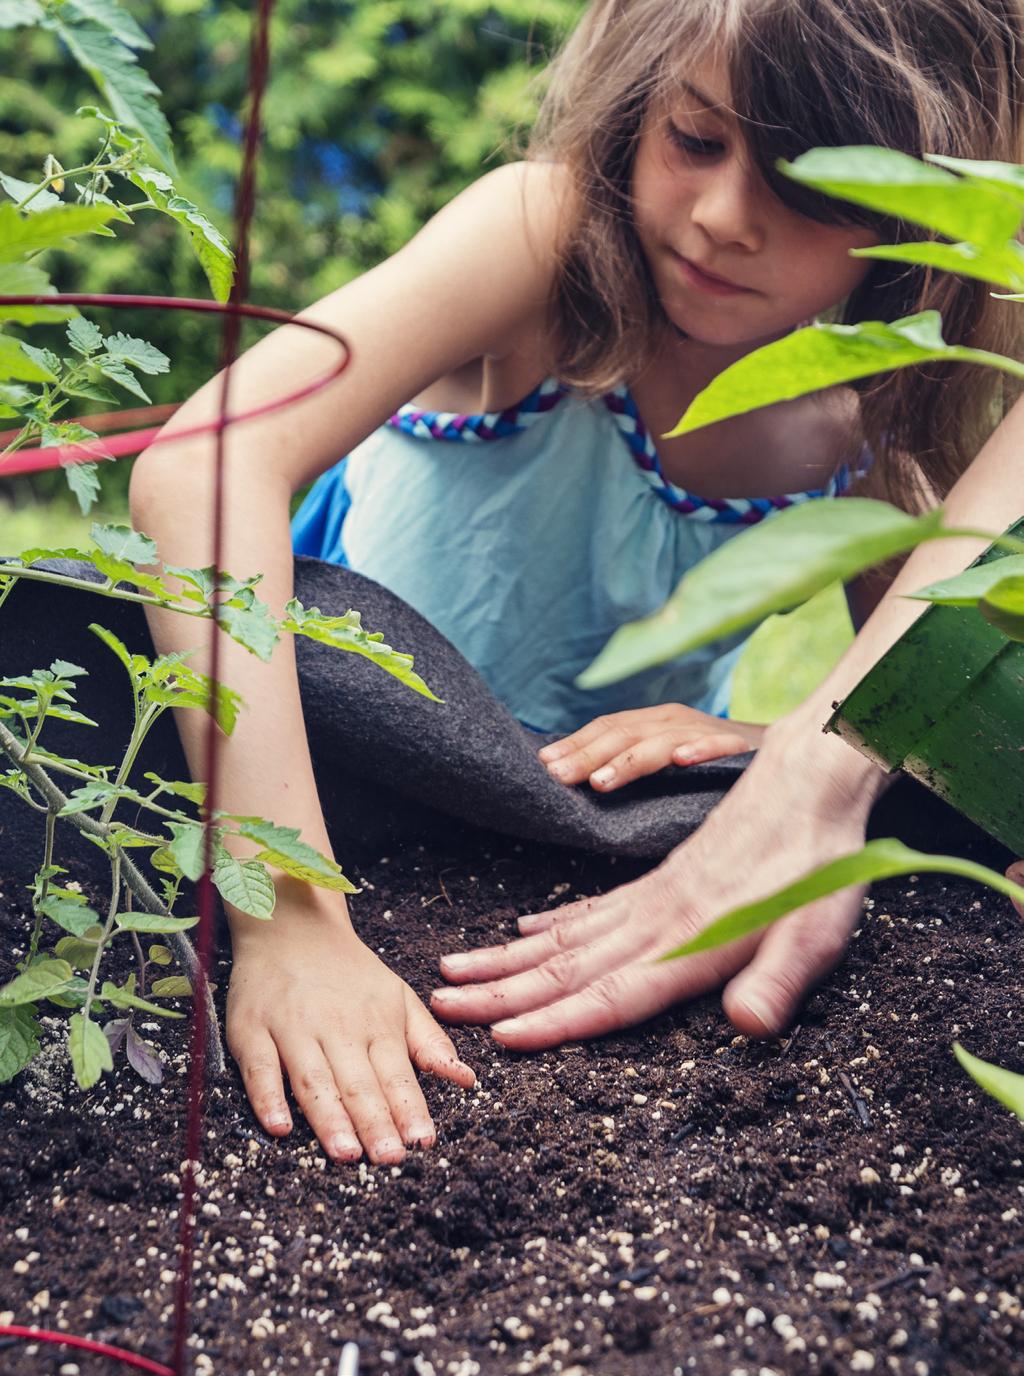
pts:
[284, 849]
[883, 859]
[118, 372]
[21, 234]
[208, 244]
[159, 955]
[768, 568]
[968, 588]
[16, 14]
[108, 15]
[17, 362]
[85, 337]
[155, 923]
[186, 687]
[1004, 266]
[19, 1031]
[1003, 1085]
[187, 848]
[114, 643]
[19, 190]
[40, 980]
[77, 952]
[69, 912]
[140, 354]
[245, 884]
[253, 627]
[26, 279]
[194, 792]
[173, 987]
[83, 480]
[347, 633]
[1006, 177]
[90, 1050]
[124, 85]
[164, 861]
[919, 192]
[124, 998]
[1003, 607]
[823, 356]
[122, 542]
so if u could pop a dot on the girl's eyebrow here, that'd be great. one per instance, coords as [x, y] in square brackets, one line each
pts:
[716, 106]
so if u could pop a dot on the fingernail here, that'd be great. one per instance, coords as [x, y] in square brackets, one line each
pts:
[421, 1134]
[471, 1071]
[549, 752]
[456, 964]
[344, 1144]
[761, 1010]
[387, 1146]
[528, 921]
[603, 776]
[684, 752]
[508, 1025]
[558, 767]
[445, 992]
[278, 1120]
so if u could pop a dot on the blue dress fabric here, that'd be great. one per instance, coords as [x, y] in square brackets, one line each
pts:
[527, 537]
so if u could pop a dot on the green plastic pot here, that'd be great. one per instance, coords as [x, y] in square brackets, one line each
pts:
[946, 705]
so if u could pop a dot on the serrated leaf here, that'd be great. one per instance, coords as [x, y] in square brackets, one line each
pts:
[122, 542]
[108, 15]
[174, 986]
[84, 337]
[144, 1058]
[155, 923]
[284, 849]
[83, 480]
[125, 998]
[26, 279]
[70, 915]
[125, 86]
[245, 884]
[882, 859]
[187, 848]
[140, 354]
[51, 228]
[19, 1035]
[347, 633]
[159, 955]
[1004, 1085]
[770, 567]
[89, 1049]
[253, 627]
[212, 250]
[40, 980]
[118, 372]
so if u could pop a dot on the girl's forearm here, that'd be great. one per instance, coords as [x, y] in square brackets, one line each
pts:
[989, 496]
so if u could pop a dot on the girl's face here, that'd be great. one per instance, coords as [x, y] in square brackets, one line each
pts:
[698, 203]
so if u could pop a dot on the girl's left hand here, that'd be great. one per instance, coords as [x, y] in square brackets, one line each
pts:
[616, 749]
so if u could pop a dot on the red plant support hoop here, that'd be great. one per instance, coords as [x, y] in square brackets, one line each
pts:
[233, 312]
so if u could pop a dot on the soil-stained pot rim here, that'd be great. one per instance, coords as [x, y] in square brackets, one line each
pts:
[946, 704]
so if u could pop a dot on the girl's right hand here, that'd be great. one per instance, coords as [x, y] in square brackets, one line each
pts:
[309, 999]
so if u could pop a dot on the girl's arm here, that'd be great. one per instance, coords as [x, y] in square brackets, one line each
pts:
[592, 967]
[306, 996]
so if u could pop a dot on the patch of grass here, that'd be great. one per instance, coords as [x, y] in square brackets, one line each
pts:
[50, 525]
[789, 655]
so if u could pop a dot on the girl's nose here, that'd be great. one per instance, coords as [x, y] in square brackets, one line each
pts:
[728, 207]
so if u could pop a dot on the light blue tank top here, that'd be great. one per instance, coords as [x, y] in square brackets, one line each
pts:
[527, 537]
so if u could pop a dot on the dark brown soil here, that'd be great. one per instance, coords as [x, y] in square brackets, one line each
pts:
[672, 1200]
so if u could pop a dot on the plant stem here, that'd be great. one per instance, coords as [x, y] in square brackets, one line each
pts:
[101, 589]
[133, 877]
[51, 823]
[108, 927]
[140, 956]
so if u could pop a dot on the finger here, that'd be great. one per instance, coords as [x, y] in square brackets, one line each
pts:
[511, 957]
[1016, 874]
[566, 972]
[530, 923]
[590, 754]
[260, 1066]
[711, 747]
[568, 744]
[642, 758]
[314, 1086]
[390, 1060]
[618, 999]
[365, 1101]
[792, 957]
[431, 1047]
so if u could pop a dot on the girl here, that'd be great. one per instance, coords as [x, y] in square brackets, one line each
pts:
[549, 325]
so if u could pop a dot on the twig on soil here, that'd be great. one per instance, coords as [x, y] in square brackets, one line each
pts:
[863, 1112]
[133, 877]
[681, 1132]
[790, 1041]
[901, 1278]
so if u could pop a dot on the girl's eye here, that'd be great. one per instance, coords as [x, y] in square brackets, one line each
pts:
[695, 148]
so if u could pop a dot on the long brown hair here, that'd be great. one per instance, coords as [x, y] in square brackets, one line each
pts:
[921, 76]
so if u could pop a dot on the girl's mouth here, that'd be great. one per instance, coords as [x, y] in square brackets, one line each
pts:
[703, 281]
